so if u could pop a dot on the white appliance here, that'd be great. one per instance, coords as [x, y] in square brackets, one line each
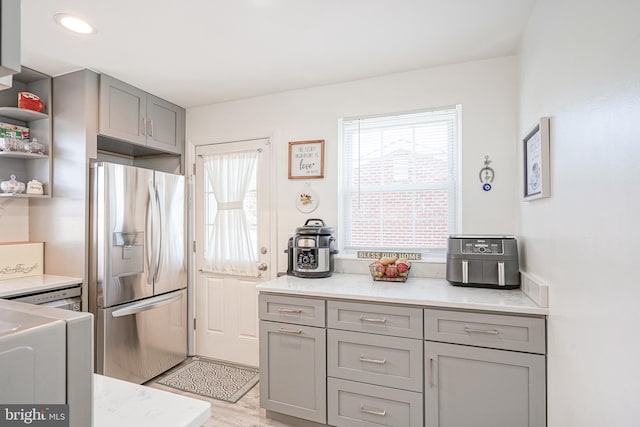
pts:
[67, 297]
[46, 355]
[138, 271]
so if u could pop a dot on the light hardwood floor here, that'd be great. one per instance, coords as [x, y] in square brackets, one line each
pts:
[246, 412]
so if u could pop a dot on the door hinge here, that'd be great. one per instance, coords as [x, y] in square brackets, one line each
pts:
[194, 323]
[194, 169]
[194, 246]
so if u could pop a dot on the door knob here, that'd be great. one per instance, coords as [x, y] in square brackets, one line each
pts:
[263, 250]
[262, 266]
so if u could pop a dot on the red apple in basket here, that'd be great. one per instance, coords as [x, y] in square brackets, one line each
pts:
[391, 271]
[402, 267]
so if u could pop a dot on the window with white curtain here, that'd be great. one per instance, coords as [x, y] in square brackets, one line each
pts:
[231, 213]
[400, 181]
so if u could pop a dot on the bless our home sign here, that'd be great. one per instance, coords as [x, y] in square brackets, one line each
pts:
[410, 256]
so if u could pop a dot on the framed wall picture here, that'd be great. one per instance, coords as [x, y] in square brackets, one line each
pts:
[536, 161]
[306, 159]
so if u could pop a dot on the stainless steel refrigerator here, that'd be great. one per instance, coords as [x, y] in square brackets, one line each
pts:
[138, 270]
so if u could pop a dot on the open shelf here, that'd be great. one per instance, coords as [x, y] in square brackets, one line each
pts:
[23, 195]
[21, 114]
[28, 166]
[21, 155]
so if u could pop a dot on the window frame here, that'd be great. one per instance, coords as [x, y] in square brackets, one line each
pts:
[453, 186]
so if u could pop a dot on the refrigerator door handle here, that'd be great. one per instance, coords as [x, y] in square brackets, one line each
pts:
[154, 235]
[139, 307]
[148, 235]
[157, 240]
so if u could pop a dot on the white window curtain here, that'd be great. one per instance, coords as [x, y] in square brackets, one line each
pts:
[230, 249]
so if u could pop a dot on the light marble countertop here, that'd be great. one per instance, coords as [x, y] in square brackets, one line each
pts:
[31, 284]
[123, 404]
[415, 291]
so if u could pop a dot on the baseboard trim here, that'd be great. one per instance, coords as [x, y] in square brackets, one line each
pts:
[294, 421]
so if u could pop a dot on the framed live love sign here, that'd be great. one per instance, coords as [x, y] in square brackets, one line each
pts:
[306, 159]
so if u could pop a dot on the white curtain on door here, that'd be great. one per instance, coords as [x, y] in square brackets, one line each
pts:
[229, 247]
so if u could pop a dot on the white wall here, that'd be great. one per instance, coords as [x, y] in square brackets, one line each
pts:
[486, 90]
[580, 64]
[14, 219]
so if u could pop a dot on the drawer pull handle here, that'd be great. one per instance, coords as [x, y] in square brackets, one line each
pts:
[380, 412]
[364, 318]
[289, 310]
[481, 331]
[431, 375]
[378, 361]
[290, 331]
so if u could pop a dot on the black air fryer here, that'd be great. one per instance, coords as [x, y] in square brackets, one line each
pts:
[311, 250]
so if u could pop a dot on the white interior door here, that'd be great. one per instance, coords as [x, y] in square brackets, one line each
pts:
[226, 297]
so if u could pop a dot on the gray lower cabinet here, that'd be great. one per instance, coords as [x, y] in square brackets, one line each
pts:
[479, 387]
[293, 373]
[352, 404]
[509, 332]
[300, 311]
[379, 364]
[375, 359]
[381, 319]
[484, 369]
[133, 115]
[374, 364]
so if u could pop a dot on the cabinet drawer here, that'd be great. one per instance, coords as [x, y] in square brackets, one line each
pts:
[354, 404]
[301, 311]
[375, 318]
[389, 361]
[486, 330]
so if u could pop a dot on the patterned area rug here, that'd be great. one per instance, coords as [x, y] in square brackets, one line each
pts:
[213, 379]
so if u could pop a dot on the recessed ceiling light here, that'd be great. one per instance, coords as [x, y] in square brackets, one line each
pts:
[73, 23]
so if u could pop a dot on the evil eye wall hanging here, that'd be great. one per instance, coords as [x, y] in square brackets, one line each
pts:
[486, 175]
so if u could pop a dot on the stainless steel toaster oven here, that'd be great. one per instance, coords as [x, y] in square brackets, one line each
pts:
[483, 261]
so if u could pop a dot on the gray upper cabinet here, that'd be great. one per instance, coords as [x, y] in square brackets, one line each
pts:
[479, 387]
[165, 125]
[123, 111]
[9, 37]
[132, 115]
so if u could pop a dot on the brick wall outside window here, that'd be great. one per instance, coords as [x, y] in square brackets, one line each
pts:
[398, 183]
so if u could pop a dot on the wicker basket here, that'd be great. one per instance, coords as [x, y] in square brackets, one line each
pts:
[401, 277]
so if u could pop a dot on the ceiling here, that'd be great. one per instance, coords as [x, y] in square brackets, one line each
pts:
[198, 52]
